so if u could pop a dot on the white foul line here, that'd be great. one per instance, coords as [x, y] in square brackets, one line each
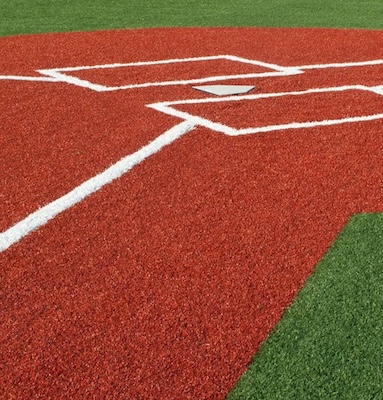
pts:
[27, 78]
[51, 210]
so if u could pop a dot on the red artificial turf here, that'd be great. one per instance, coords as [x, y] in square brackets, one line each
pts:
[164, 283]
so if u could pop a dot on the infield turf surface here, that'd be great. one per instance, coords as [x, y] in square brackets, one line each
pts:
[344, 295]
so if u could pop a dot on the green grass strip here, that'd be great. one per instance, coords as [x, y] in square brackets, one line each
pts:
[38, 16]
[329, 343]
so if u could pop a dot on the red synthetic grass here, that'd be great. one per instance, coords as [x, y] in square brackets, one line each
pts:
[164, 283]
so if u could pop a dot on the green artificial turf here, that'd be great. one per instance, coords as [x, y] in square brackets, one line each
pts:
[37, 16]
[329, 344]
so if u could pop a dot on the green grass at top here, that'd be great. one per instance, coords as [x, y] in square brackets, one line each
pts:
[38, 16]
[329, 343]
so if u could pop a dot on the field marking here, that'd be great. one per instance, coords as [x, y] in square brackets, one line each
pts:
[102, 88]
[167, 108]
[72, 80]
[176, 60]
[59, 75]
[40, 217]
[341, 65]
[277, 71]
[27, 78]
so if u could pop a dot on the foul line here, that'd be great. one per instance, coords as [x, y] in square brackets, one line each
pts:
[27, 78]
[51, 210]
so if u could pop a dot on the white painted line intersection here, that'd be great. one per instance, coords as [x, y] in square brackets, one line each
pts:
[170, 108]
[60, 75]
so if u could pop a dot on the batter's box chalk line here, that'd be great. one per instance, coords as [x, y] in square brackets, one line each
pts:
[63, 74]
[188, 121]
[170, 108]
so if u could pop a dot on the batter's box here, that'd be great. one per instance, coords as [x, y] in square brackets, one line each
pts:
[248, 114]
[181, 71]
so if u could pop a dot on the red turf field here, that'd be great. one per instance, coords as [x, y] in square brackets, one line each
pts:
[163, 284]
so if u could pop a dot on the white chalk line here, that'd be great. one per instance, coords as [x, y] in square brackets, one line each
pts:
[197, 120]
[310, 124]
[40, 217]
[59, 75]
[265, 95]
[277, 71]
[167, 108]
[72, 80]
[27, 78]
[341, 65]
[46, 213]
[175, 60]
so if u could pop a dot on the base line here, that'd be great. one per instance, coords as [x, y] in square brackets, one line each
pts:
[43, 215]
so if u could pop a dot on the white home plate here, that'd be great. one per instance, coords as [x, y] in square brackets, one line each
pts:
[224, 90]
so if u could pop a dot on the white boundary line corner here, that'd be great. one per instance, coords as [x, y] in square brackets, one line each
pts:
[60, 73]
[168, 108]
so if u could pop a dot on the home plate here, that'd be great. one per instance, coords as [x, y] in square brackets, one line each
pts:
[224, 90]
